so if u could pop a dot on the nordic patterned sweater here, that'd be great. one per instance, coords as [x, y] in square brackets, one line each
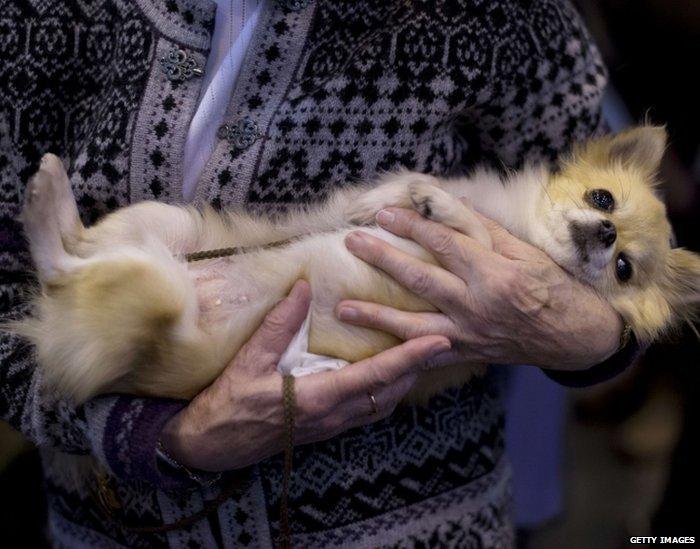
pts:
[330, 92]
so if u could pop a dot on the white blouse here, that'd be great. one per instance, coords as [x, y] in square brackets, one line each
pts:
[235, 23]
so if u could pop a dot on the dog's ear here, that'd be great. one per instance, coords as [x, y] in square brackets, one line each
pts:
[642, 147]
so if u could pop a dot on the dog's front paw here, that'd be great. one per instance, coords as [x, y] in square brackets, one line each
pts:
[431, 201]
[393, 192]
[363, 210]
[365, 207]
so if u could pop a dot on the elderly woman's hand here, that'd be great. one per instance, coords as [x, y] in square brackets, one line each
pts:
[238, 420]
[513, 305]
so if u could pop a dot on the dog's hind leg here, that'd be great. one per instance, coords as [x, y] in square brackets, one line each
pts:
[50, 218]
[69, 223]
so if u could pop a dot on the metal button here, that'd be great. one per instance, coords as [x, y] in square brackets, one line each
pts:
[241, 135]
[179, 66]
[293, 5]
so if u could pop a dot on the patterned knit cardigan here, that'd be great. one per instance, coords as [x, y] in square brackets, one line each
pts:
[331, 92]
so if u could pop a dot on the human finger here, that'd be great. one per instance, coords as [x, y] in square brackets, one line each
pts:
[319, 394]
[403, 324]
[359, 410]
[428, 281]
[282, 323]
[455, 251]
[376, 405]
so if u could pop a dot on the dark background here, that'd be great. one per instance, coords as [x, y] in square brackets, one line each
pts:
[631, 457]
[630, 462]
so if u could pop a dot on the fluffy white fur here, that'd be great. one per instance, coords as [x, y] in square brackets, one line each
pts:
[120, 310]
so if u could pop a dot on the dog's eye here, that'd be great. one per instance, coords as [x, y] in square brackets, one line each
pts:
[601, 199]
[623, 268]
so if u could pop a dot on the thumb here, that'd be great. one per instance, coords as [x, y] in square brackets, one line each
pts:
[283, 322]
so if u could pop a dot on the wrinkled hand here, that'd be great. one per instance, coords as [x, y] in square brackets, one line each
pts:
[238, 420]
[513, 305]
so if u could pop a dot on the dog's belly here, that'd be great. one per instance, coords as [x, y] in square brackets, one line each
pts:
[235, 290]
[224, 289]
[235, 293]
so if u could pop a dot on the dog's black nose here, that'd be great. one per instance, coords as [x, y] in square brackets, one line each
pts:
[607, 233]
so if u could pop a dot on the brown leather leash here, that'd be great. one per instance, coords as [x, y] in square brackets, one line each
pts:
[289, 401]
[234, 250]
[106, 496]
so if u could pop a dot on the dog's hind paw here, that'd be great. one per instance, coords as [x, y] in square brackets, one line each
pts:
[38, 196]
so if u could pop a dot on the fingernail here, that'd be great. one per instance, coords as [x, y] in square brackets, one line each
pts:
[385, 217]
[440, 347]
[354, 240]
[347, 313]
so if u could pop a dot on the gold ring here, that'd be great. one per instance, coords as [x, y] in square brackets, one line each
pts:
[375, 408]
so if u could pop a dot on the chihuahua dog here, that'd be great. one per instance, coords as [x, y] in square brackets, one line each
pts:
[120, 310]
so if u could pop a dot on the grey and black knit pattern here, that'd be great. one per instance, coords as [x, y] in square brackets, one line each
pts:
[331, 92]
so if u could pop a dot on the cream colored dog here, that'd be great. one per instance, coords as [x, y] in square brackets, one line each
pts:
[120, 309]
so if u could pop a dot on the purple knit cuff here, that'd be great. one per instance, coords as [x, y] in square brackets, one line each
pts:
[130, 436]
[604, 371]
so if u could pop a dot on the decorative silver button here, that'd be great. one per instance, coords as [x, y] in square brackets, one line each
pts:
[293, 5]
[241, 135]
[179, 66]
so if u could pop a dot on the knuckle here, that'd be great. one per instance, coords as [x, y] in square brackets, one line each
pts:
[520, 282]
[330, 398]
[375, 250]
[309, 410]
[276, 321]
[513, 279]
[319, 404]
[376, 317]
[418, 279]
[412, 222]
[519, 289]
[505, 283]
[441, 241]
[380, 378]
[455, 300]
[407, 331]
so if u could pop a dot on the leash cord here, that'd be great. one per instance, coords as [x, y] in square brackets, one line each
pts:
[234, 250]
[289, 401]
